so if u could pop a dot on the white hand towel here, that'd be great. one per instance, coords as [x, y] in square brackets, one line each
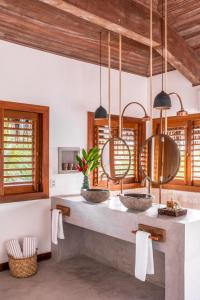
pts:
[29, 246]
[57, 226]
[144, 262]
[14, 249]
[60, 227]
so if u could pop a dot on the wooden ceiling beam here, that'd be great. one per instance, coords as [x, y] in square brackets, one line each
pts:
[126, 17]
[24, 30]
[132, 20]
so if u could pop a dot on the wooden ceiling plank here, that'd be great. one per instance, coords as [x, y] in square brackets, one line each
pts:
[132, 20]
[67, 26]
[42, 38]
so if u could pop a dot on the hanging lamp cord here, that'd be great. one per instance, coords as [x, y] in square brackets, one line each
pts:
[100, 69]
[120, 84]
[151, 61]
[166, 45]
[162, 44]
[109, 87]
[166, 61]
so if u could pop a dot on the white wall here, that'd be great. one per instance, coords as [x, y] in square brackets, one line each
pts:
[70, 88]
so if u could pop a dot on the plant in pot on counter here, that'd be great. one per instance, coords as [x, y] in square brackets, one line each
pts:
[87, 162]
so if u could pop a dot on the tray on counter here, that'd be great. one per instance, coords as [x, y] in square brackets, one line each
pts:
[172, 212]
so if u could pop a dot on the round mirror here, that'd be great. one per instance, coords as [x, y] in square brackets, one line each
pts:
[115, 158]
[160, 158]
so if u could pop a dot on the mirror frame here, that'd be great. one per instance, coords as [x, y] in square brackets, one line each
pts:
[142, 148]
[124, 175]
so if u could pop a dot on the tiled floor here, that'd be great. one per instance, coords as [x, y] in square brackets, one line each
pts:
[79, 278]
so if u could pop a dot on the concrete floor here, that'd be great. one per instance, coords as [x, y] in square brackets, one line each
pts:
[76, 279]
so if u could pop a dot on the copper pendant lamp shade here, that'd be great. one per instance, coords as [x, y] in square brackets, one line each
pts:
[162, 101]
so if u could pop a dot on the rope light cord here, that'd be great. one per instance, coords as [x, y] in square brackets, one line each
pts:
[166, 61]
[162, 44]
[120, 84]
[109, 88]
[166, 45]
[151, 61]
[100, 84]
[120, 96]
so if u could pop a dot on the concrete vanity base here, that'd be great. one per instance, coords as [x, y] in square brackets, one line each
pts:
[105, 249]
[106, 234]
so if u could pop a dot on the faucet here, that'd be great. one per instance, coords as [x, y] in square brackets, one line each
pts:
[148, 180]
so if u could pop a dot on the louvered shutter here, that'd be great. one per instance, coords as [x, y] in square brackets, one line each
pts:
[20, 146]
[130, 135]
[178, 134]
[101, 134]
[195, 153]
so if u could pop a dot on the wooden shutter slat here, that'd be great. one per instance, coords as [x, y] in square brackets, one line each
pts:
[18, 162]
[17, 176]
[18, 183]
[6, 120]
[18, 156]
[17, 143]
[18, 135]
[17, 129]
[16, 149]
[18, 169]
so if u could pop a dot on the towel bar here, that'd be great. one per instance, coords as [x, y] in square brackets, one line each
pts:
[65, 210]
[157, 234]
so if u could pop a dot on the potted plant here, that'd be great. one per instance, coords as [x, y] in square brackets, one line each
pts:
[87, 162]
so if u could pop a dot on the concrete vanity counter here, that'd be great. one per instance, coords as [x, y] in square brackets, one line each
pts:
[181, 248]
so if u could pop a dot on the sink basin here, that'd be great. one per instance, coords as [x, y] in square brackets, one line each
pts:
[95, 195]
[139, 202]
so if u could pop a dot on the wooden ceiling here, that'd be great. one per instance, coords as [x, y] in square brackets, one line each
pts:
[71, 28]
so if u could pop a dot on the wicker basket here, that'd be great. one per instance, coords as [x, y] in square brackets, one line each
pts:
[23, 267]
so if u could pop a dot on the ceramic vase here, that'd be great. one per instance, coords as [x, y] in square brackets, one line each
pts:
[86, 183]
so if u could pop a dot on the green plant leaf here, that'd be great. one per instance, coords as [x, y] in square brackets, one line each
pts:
[79, 161]
[84, 153]
[91, 153]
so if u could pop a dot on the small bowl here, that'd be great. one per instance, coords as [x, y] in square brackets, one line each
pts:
[140, 202]
[95, 195]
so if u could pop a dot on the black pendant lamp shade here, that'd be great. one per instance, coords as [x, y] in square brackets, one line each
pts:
[100, 112]
[162, 101]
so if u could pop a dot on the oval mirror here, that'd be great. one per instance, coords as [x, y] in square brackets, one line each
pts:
[115, 158]
[160, 158]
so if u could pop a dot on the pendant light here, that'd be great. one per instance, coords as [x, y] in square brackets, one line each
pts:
[101, 112]
[162, 101]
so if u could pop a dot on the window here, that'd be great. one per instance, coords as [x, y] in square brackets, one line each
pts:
[134, 133]
[185, 131]
[24, 151]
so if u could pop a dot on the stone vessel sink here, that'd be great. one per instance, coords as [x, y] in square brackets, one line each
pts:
[139, 202]
[95, 195]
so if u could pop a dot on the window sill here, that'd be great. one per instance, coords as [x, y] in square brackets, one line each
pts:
[179, 187]
[23, 197]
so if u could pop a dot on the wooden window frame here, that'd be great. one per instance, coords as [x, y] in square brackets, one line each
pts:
[43, 113]
[115, 123]
[176, 121]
